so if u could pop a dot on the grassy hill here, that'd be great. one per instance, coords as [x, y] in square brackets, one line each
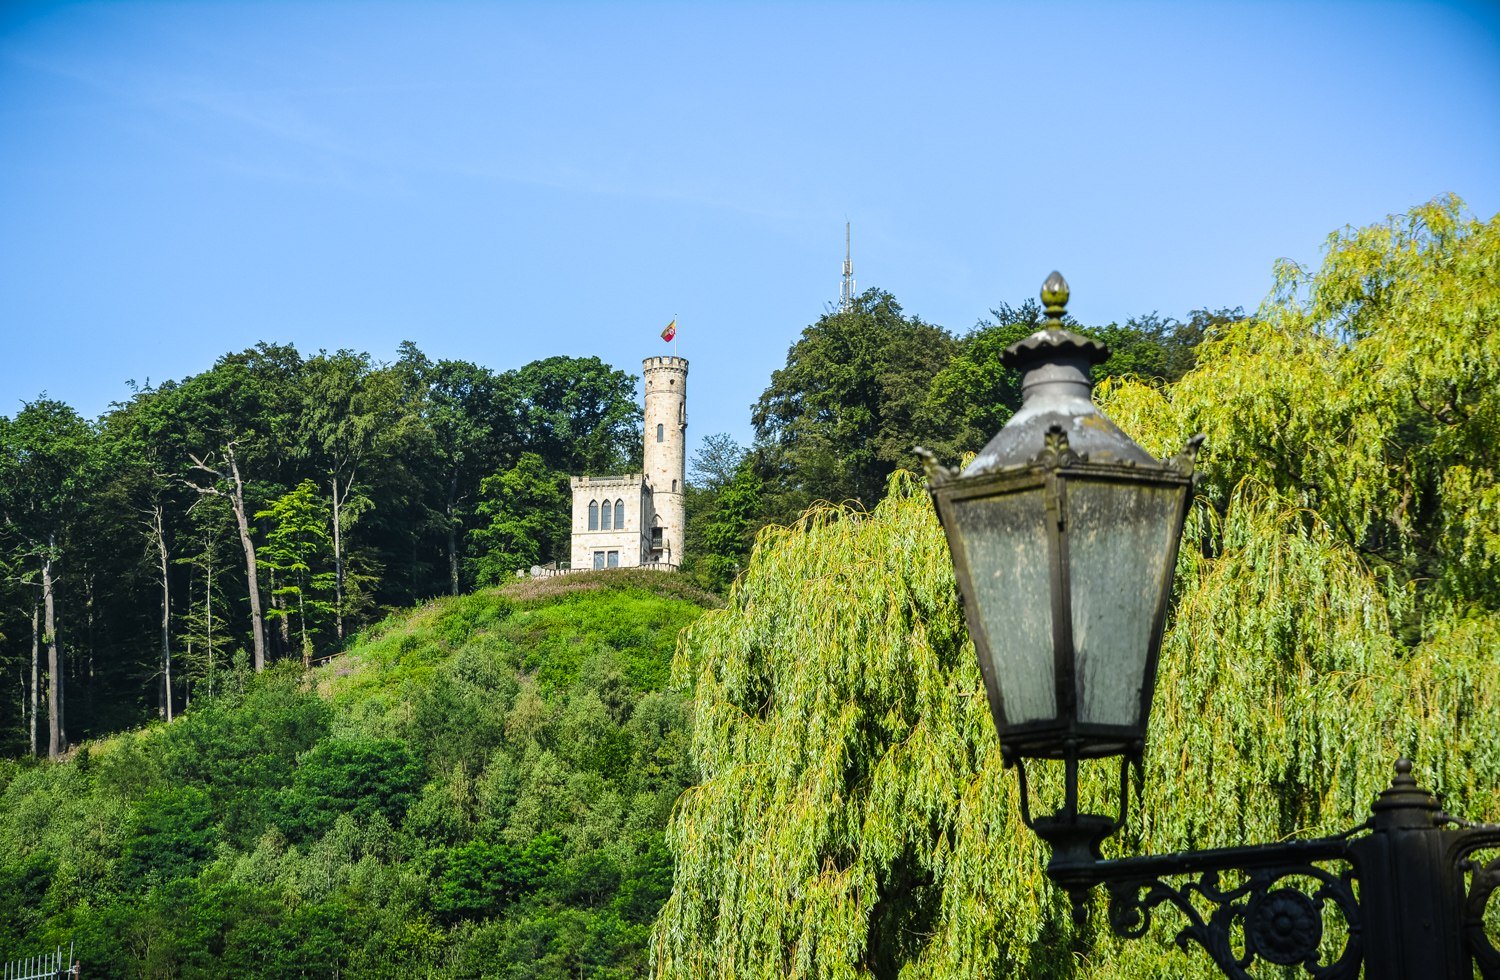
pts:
[478, 788]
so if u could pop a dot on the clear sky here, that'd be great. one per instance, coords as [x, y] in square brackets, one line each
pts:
[501, 182]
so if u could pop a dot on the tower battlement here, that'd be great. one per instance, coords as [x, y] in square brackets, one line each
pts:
[666, 362]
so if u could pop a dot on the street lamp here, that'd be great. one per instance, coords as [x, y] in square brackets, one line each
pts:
[1064, 538]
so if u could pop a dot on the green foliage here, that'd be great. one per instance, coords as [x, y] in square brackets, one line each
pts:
[479, 879]
[726, 533]
[579, 414]
[861, 388]
[171, 832]
[443, 801]
[1336, 608]
[298, 551]
[524, 513]
[360, 777]
[840, 416]
[974, 394]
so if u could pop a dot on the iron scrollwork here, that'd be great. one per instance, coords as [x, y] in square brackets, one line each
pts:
[1279, 923]
[1483, 884]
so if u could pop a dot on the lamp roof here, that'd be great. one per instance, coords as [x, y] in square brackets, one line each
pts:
[1056, 393]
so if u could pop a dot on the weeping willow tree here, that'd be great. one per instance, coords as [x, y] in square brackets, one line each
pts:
[1338, 605]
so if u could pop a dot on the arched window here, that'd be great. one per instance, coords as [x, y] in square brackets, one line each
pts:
[593, 515]
[674, 486]
[619, 514]
[660, 431]
[606, 524]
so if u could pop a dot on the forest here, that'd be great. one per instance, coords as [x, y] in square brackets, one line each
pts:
[778, 762]
[275, 504]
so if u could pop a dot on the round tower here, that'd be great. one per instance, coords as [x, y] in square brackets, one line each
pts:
[665, 458]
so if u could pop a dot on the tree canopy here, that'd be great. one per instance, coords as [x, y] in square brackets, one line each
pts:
[1336, 608]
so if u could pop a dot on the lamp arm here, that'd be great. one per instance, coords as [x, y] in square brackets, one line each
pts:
[1273, 908]
[1261, 916]
[1484, 883]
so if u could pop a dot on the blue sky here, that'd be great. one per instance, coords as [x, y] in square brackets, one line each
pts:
[507, 181]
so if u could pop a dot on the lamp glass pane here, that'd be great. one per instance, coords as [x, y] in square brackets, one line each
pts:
[1005, 543]
[1119, 537]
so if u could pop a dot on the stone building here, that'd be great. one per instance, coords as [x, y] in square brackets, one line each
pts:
[637, 519]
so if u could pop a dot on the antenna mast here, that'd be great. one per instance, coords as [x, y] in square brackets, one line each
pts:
[846, 289]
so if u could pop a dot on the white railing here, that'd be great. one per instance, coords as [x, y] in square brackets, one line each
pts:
[653, 566]
[47, 966]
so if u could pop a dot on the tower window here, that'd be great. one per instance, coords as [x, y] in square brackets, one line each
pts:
[620, 515]
[660, 431]
[594, 515]
[674, 486]
[605, 524]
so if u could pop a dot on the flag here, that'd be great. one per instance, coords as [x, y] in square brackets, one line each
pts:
[670, 332]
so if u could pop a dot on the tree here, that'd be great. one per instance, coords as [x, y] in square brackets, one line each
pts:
[141, 482]
[840, 417]
[1337, 606]
[206, 644]
[463, 430]
[525, 514]
[296, 545]
[974, 394]
[349, 413]
[578, 414]
[710, 473]
[716, 462]
[47, 469]
[237, 415]
[728, 530]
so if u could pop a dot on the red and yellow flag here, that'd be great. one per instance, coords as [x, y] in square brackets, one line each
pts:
[670, 332]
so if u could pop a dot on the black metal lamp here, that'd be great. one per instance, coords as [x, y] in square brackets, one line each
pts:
[1064, 539]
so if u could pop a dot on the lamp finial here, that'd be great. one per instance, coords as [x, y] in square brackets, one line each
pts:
[1055, 295]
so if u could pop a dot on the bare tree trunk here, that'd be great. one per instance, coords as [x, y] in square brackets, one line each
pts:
[208, 616]
[257, 618]
[452, 535]
[159, 526]
[36, 651]
[56, 734]
[338, 558]
[302, 623]
[242, 521]
[282, 640]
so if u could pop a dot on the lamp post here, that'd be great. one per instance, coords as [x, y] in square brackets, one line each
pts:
[1064, 537]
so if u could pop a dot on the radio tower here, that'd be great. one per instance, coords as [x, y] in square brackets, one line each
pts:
[846, 289]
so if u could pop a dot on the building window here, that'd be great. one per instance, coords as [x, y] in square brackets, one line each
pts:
[593, 515]
[608, 521]
[619, 515]
[598, 560]
[660, 432]
[614, 560]
[656, 539]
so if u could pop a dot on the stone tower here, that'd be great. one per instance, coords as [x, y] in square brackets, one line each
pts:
[665, 458]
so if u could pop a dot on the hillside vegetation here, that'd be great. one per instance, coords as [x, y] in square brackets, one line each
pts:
[478, 788]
